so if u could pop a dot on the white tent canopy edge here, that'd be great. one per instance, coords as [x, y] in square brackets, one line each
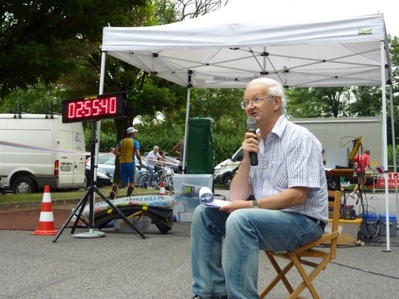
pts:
[231, 46]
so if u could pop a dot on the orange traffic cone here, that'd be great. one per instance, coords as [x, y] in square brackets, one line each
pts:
[162, 189]
[46, 221]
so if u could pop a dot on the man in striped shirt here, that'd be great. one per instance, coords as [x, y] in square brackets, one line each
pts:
[278, 205]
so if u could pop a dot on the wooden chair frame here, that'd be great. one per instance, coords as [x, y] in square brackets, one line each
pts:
[308, 255]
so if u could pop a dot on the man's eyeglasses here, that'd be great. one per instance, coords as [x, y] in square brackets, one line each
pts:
[255, 102]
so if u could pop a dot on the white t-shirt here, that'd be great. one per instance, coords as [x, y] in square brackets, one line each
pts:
[151, 159]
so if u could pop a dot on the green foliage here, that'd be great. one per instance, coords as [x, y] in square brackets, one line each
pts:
[368, 101]
[316, 102]
[391, 156]
[40, 40]
[224, 146]
[39, 99]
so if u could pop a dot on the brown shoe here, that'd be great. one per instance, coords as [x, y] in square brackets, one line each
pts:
[112, 194]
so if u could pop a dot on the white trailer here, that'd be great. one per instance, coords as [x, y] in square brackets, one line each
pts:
[334, 133]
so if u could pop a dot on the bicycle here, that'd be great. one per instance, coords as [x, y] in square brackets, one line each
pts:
[165, 175]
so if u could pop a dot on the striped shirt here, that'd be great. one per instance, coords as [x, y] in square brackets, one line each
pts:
[292, 157]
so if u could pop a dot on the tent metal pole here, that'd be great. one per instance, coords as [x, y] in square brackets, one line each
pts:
[100, 91]
[384, 140]
[394, 148]
[97, 135]
[186, 130]
[98, 129]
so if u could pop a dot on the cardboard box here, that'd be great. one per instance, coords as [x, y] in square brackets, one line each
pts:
[143, 224]
[186, 188]
[348, 230]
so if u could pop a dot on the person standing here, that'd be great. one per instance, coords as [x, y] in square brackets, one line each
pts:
[278, 205]
[126, 150]
[151, 164]
[362, 162]
[178, 150]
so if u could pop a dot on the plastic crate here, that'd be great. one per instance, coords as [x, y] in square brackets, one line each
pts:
[370, 224]
[348, 230]
[186, 187]
[392, 224]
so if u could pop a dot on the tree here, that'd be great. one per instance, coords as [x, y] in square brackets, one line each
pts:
[368, 101]
[44, 37]
[39, 99]
[317, 102]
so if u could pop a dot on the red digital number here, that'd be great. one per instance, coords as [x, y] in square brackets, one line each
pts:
[79, 109]
[87, 109]
[104, 106]
[97, 107]
[71, 110]
[112, 105]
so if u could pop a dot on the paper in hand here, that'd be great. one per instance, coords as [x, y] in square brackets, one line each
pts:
[207, 199]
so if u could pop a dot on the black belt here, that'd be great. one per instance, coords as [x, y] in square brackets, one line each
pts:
[322, 224]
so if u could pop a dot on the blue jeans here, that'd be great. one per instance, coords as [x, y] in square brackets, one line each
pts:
[246, 231]
[150, 175]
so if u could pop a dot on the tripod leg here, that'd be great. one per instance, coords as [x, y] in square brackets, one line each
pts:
[81, 204]
[79, 215]
[123, 216]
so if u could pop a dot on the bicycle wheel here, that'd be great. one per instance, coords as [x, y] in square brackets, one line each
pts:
[142, 180]
[155, 180]
[169, 182]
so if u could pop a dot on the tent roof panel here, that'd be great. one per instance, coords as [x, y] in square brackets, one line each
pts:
[231, 46]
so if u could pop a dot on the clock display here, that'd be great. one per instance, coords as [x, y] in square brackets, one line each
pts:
[94, 107]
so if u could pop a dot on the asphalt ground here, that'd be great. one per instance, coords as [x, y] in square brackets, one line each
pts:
[123, 265]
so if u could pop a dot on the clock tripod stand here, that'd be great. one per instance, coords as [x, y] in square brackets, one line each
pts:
[89, 194]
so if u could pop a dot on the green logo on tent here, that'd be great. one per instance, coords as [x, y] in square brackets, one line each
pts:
[365, 31]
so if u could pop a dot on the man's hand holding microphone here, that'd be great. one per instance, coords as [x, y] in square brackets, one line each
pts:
[250, 143]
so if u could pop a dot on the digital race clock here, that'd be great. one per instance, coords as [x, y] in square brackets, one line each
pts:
[94, 107]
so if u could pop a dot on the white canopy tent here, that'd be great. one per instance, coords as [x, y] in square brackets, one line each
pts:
[295, 45]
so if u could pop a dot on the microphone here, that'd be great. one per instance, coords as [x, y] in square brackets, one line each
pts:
[251, 127]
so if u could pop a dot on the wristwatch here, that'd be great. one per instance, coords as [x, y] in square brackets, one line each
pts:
[255, 204]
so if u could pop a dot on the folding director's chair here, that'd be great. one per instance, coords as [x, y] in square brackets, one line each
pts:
[308, 255]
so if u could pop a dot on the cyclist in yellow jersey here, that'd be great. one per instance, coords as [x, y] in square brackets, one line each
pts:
[125, 150]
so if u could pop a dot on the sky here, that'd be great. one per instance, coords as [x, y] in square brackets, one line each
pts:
[358, 7]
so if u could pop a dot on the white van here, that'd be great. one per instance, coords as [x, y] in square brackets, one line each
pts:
[223, 171]
[38, 150]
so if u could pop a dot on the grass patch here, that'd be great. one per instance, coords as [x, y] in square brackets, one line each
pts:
[66, 195]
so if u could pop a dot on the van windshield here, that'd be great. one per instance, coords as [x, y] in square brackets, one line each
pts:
[237, 156]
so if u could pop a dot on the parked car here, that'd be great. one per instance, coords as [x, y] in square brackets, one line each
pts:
[224, 171]
[106, 167]
[104, 178]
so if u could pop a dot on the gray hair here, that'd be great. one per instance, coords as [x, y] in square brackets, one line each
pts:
[156, 148]
[274, 89]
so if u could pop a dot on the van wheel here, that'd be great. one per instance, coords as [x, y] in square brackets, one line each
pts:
[23, 185]
[226, 182]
